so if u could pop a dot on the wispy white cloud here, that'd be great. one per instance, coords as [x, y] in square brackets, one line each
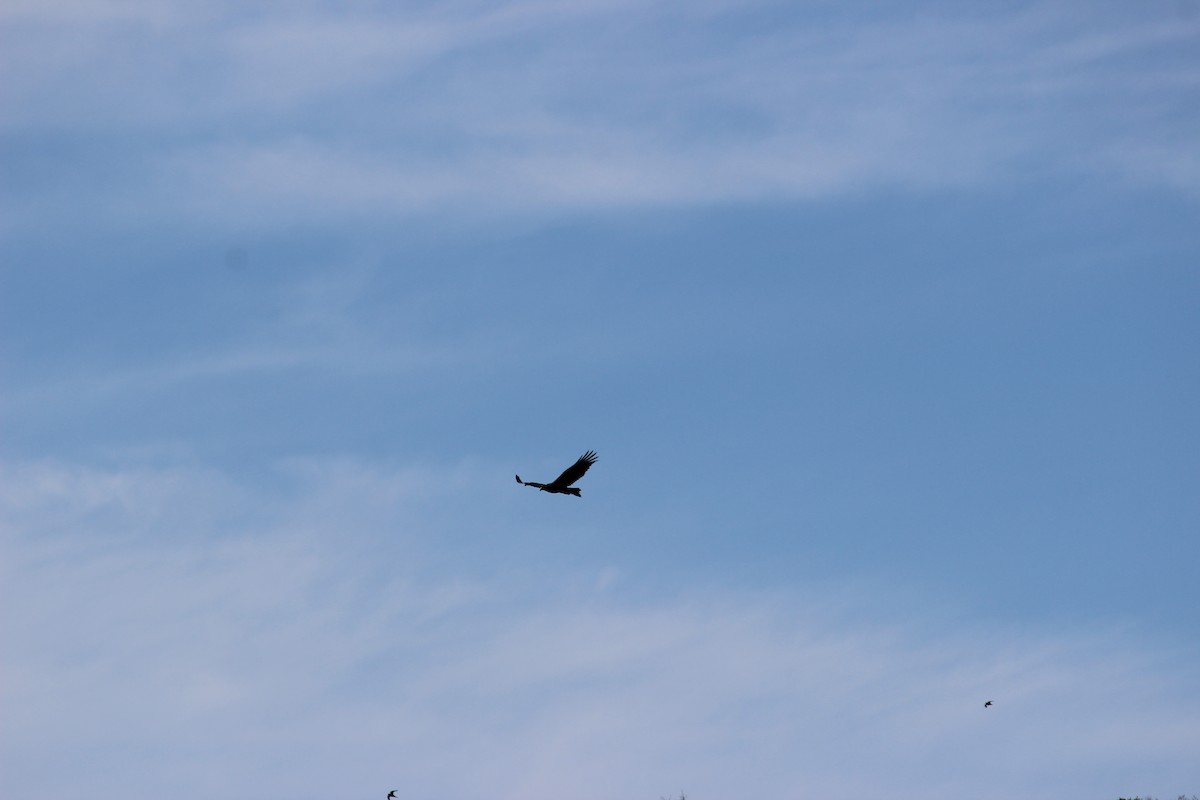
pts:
[288, 117]
[307, 646]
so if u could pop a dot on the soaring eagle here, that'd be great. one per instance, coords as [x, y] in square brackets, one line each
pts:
[562, 484]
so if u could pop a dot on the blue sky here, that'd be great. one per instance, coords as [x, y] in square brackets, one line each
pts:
[881, 317]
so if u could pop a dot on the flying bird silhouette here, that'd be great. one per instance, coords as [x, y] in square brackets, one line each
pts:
[392, 795]
[562, 484]
[988, 704]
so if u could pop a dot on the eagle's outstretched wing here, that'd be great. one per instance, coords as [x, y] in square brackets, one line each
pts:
[573, 472]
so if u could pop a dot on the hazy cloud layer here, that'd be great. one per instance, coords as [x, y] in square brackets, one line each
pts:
[212, 113]
[169, 632]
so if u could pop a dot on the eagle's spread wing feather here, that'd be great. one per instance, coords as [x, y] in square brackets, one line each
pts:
[575, 471]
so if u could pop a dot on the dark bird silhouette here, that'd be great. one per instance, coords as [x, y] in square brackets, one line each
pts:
[988, 704]
[562, 484]
[392, 795]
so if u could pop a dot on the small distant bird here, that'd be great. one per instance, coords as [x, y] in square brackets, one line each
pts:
[988, 704]
[392, 795]
[562, 484]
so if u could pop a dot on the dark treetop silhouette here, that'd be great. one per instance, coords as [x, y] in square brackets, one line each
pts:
[562, 484]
